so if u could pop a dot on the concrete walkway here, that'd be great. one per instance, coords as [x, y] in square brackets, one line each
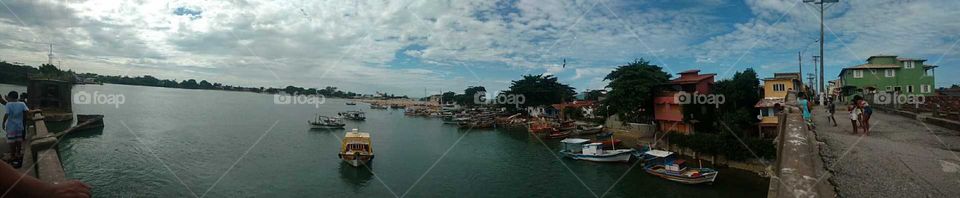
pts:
[900, 158]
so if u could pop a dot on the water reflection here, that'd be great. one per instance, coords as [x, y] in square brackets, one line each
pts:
[357, 177]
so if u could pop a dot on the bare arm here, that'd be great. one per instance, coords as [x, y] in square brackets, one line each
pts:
[19, 185]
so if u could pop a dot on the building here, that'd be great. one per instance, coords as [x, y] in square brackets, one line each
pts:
[781, 83]
[886, 73]
[775, 90]
[668, 112]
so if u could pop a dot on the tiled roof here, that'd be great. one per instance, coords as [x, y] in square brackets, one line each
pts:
[875, 66]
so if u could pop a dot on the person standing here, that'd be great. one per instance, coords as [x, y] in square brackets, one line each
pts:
[832, 109]
[805, 108]
[854, 116]
[13, 124]
[867, 112]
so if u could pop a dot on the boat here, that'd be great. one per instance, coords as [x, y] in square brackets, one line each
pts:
[604, 135]
[589, 130]
[326, 122]
[356, 148]
[353, 115]
[351, 103]
[378, 106]
[665, 165]
[583, 149]
[609, 143]
[85, 121]
[557, 134]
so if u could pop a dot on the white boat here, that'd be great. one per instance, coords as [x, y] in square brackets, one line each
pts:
[582, 149]
[326, 122]
[356, 148]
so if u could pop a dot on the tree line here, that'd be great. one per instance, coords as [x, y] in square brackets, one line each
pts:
[20, 75]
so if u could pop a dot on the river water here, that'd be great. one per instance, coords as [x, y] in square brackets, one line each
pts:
[165, 142]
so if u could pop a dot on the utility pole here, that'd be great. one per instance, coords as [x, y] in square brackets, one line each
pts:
[820, 3]
[800, 64]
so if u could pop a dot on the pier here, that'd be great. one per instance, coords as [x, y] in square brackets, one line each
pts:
[799, 169]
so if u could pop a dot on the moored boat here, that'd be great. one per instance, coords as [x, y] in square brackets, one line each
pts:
[351, 103]
[589, 130]
[356, 148]
[583, 149]
[665, 165]
[326, 122]
[378, 106]
[353, 115]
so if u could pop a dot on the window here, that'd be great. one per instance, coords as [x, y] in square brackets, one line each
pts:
[925, 89]
[909, 88]
[857, 73]
[908, 64]
[779, 87]
[889, 88]
[889, 73]
[928, 72]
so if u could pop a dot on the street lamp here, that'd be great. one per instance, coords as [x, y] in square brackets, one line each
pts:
[821, 2]
[800, 58]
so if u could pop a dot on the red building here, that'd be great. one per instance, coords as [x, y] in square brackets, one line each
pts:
[668, 112]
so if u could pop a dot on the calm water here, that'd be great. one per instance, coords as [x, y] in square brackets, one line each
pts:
[175, 142]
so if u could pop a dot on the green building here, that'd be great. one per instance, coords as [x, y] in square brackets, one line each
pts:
[884, 73]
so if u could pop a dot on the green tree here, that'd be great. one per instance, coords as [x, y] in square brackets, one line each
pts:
[448, 97]
[632, 89]
[470, 94]
[594, 94]
[540, 90]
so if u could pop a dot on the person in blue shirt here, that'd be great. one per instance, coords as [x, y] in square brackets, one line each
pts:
[805, 107]
[14, 126]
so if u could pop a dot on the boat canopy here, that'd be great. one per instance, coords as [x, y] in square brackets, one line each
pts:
[574, 141]
[659, 153]
[355, 134]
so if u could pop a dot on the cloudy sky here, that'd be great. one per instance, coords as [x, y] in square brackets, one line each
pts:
[407, 47]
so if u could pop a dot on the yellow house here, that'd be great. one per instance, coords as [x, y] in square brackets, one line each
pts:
[780, 84]
[775, 91]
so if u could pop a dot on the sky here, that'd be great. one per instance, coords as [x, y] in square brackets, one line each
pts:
[418, 47]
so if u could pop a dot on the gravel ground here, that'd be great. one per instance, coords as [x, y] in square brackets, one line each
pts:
[900, 158]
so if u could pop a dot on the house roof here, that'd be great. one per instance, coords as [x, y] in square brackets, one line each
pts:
[689, 79]
[768, 102]
[875, 66]
[911, 59]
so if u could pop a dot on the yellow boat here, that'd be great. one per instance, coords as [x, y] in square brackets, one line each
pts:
[356, 148]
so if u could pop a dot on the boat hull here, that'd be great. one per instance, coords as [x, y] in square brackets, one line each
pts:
[315, 126]
[622, 155]
[357, 160]
[707, 177]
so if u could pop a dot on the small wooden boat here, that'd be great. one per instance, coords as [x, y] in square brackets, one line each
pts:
[378, 106]
[557, 134]
[589, 130]
[665, 165]
[605, 135]
[351, 103]
[356, 148]
[583, 149]
[89, 121]
[353, 115]
[326, 122]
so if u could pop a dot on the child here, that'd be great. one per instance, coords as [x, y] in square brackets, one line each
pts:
[854, 116]
[805, 108]
[14, 126]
